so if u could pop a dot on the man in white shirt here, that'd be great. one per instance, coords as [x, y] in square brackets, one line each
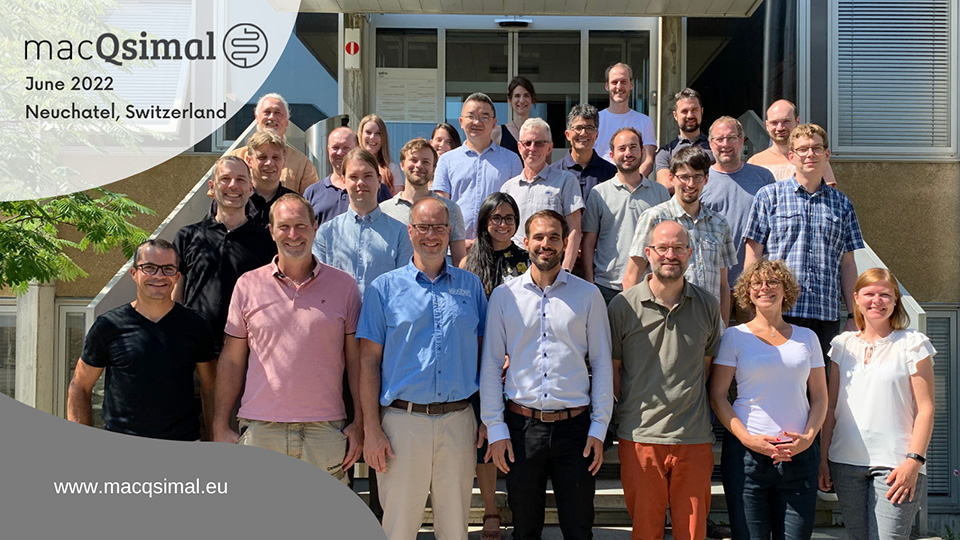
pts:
[619, 84]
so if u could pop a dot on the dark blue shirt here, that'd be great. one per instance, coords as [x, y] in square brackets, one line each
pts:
[597, 170]
[330, 201]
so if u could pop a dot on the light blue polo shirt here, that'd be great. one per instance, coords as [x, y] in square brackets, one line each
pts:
[429, 333]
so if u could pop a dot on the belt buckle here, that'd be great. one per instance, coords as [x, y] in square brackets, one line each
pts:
[555, 416]
[427, 409]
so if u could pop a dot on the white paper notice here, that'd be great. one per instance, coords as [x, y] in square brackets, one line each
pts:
[407, 95]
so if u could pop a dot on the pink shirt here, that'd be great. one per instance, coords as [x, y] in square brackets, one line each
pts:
[296, 336]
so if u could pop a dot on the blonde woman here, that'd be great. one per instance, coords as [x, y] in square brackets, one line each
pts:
[372, 132]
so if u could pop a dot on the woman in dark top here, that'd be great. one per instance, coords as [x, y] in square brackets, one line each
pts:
[494, 258]
[522, 98]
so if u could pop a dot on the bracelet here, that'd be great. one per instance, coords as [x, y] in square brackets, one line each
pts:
[917, 457]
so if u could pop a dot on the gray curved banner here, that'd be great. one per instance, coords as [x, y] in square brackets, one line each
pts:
[63, 480]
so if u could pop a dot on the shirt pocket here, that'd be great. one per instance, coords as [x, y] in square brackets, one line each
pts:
[788, 221]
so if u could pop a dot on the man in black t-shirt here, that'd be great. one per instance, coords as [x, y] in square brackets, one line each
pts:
[150, 349]
[216, 251]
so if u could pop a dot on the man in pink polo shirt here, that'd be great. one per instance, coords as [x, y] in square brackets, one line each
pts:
[290, 330]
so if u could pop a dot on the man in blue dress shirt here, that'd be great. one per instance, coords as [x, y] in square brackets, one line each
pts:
[363, 241]
[419, 332]
[553, 424]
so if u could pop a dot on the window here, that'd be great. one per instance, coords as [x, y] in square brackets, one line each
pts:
[943, 455]
[894, 73]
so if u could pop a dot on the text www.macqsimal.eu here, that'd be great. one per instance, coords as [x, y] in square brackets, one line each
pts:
[160, 487]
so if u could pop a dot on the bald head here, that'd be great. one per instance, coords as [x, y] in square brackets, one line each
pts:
[670, 229]
[339, 142]
[782, 117]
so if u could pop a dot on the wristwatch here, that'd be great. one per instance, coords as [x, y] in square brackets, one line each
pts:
[917, 457]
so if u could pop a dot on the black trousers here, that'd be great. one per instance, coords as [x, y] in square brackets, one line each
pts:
[551, 450]
[825, 331]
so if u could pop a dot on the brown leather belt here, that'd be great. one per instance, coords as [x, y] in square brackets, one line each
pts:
[431, 409]
[546, 416]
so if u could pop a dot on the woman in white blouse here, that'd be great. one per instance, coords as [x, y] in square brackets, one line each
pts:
[769, 462]
[880, 414]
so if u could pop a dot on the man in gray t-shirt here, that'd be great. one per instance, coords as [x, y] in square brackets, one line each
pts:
[733, 184]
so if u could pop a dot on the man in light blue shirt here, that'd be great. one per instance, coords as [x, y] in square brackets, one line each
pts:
[548, 321]
[471, 172]
[363, 241]
[419, 334]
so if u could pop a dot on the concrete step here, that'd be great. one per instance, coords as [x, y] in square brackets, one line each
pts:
[602, 532]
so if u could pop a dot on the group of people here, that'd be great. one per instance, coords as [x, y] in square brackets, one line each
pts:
[475, 307]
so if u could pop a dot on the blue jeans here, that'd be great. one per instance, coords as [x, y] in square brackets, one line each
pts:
[867, 513]
[766, 499]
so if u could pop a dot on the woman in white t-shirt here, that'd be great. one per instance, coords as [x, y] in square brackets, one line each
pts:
[769, 461]
[880, 414]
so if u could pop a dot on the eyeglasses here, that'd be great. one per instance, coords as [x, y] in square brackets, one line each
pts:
[508, 219]
[584, 129]
[424, 228]
[152, 269]
[483, 118]
[695, 178]
[816, 150]
[770, 283]
[677, 250]
[538, 143]
[728, 138]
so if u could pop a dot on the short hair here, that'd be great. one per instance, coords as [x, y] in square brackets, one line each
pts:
[765, 267]
[547, 214]
[606, 74]
[426, 200]
[692, 156]
[455, 141]
[899, 319]
[537, 123]
[585, 111]
[793, 107]
[807, 130]
[158, 243]
[229, 158]
[360, 154]
[631, 129]
[294, 198]
[480, 97]
[525, 84]
[263, 138]
[726, 120]
[415, 145]
[276, 96]
[686, 93]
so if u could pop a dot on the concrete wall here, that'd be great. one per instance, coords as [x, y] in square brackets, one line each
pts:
[161, 189]
[910, 215]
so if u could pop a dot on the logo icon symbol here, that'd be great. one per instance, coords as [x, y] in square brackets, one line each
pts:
[245, 45]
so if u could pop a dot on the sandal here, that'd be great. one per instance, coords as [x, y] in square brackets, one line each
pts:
[487, 534]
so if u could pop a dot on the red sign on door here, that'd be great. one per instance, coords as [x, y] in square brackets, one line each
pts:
[352, 47]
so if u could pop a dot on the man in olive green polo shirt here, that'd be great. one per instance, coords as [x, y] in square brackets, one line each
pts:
[666, 332]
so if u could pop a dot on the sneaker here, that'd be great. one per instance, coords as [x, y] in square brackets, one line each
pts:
[717, 531]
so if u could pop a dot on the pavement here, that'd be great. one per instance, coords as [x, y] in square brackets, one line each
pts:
[552, 532]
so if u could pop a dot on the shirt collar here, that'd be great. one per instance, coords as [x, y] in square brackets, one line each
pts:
[317, 267]
[369, 218]
[795, 186]
[494, 147]
[646, 295]
[526, 279]
[418, 274]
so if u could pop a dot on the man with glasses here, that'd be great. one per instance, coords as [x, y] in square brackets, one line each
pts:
[612, 214]
[814, 228]
[289, 339]
[665, 333]
[417, 160]
[733, 184]
[150, 349]
[548, 322]
[582, 160]
[688, 112]
[539, 187]
[708, 232]
[363, 241]
[419, 335]
[477, 168]
[619, 84]
[782, 118]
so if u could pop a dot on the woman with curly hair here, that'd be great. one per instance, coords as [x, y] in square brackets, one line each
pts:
[769, 462]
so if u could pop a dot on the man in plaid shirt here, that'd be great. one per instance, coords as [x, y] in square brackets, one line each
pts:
[813, 227]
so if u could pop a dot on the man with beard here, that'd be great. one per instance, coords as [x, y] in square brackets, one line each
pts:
[733, 184]
[329, 196]
[273, 114]
[708, 231]
[613, 212]
[688, 112]
[417, 160]
[582, 160]
[665, 333]
[782, 118]
[619, 85]
[266, 160]
[289, 339]
[547, 321]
